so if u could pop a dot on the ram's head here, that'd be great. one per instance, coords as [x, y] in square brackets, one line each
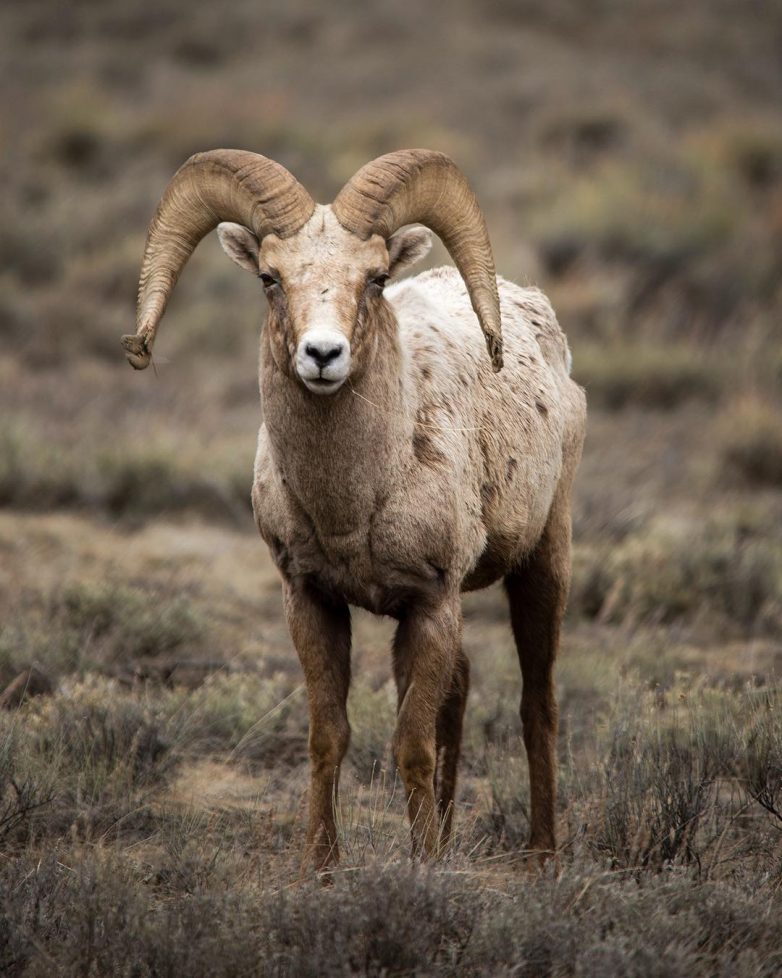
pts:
[323, 267]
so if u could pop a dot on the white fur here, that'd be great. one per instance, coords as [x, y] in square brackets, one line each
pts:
[329, 378]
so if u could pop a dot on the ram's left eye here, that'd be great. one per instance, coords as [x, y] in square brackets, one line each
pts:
[379, 280]
[268, 280]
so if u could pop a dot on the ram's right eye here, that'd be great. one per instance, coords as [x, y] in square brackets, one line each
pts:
[380, 279]
[268, 280]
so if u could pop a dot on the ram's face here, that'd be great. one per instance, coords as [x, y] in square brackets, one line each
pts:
[323, 285]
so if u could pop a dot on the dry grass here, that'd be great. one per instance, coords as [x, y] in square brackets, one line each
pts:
[670, 816]
[139, 803]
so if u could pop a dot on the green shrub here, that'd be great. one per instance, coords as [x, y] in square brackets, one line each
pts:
[132, 480]
[658, 789]
[762, 755]
[749, 443]
[372, 715]
[677, 773]
[644, 375]
[98, 915]
[506, 822]
[24, 794]
[33, 473]
[136, 621]
[100, 625]
[82, 762]
[663, 211]
[661, 576]
[255, 719]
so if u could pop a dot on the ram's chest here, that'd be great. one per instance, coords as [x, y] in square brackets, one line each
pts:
[365, 567]
[339, 563]
[391, 555]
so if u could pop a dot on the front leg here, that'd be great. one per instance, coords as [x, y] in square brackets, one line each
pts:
[449, 740]
[425, 651]
[320, 628]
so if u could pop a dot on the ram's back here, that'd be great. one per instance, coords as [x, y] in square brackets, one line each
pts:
[503, 436]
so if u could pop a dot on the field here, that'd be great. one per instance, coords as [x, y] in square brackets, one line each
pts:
[152, 798]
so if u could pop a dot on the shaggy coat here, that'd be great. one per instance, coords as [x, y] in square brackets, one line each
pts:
[418, 441]
[429, 474]
[426, 475]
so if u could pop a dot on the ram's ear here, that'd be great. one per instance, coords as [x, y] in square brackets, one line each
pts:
[407, 247]
[240, 245]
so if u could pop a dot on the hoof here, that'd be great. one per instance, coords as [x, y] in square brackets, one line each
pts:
[537, 859]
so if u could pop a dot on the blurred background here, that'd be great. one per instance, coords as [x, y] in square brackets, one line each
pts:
[628, 157]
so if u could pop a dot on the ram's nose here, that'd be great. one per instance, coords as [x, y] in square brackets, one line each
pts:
[323, 360]
[325, 351]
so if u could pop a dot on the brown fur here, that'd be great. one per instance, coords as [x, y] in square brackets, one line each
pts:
[426, 474]
[396, 467]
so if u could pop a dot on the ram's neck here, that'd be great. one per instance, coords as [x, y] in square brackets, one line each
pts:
[338, 453]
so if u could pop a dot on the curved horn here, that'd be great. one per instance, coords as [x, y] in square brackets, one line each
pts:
[221, 185]
[424, 187]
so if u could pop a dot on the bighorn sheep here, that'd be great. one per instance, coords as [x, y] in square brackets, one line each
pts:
[396, 465]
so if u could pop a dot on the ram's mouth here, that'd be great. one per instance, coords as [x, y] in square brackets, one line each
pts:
[322, 385]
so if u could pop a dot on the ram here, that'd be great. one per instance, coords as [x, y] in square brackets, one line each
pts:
[398, 465]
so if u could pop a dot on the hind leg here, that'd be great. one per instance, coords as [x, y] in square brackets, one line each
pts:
[449, 741]
[537, 593]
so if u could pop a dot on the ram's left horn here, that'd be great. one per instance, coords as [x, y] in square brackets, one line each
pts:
[220, 185]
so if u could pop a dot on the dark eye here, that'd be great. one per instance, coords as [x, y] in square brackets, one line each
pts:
[379, 280]
[268, 280]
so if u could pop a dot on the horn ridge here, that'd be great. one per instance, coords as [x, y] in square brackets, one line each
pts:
[426, 187]
[209, 187]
